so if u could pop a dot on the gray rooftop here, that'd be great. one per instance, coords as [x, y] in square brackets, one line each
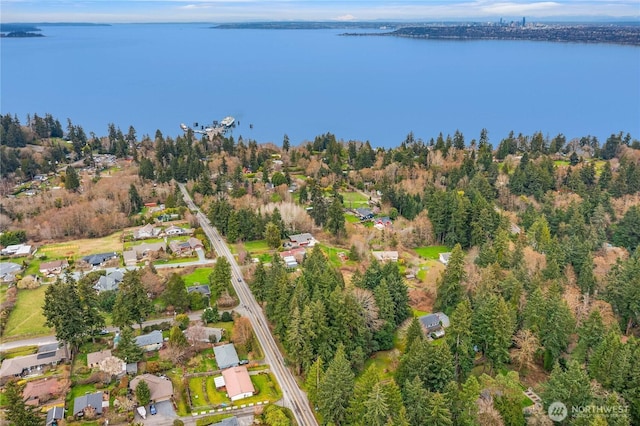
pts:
[226, 356]
[152, 338]
[9, 268]
[89, 400]
[55, 413]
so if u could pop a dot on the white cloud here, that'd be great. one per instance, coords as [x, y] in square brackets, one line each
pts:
[345, 18]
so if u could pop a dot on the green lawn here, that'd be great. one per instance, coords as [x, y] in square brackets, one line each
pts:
[26, 319]
[176, 260]
[130, 244]
[200, 275]
[215, 397]
[256, 246]
[561, 163]
[351, 218]
[77, 391]
[354, 200]
[198, 396]
[266, 387]
[431, 252]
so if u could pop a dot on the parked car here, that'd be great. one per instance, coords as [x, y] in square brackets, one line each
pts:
[152, 409]
[243, 362]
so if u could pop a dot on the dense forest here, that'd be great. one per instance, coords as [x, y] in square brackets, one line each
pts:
[542, 286]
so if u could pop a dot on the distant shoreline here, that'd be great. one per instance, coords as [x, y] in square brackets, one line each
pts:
[612, 34]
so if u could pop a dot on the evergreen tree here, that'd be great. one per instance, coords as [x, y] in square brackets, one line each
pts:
[416, 399]
[272, 235]
[132, 303]
[450, 291]
[623, 291]
[315, 376]
[258, 287]
[220, 277]
[361, 392]
[18, 413]
[92, 318]
[557, 327]
[135, 200]
[63, 311]
[176, 294]
[71, 179]
[414, 332]
[335, 218]
[127, 349]
[590, 334]
[494, 323]
[459, 337]
[438, 413]
[177, 339]
[143, 393]
[335, 389]
[570, 386]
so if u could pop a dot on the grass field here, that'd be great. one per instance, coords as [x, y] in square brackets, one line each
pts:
[351, 218]
[198, 397]
[83, 247]
[431, 252]
[256, 246]
[26, 319]
[215, 397]
[200, 275]
[354, 200]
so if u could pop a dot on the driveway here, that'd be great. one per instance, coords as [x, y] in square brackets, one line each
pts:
[166, 415]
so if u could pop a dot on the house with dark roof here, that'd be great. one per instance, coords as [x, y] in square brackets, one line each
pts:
[302, 240]
[100, 258]
[29, 364]
[53, 415]
[202, 289]
[364, 213]
[150, 342]
[226, 356]
[8, 271]
[109, 282]
[434, 324]
[87, 401]
[180, 248]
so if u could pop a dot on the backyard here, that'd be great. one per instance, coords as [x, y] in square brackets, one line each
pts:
[26, 319]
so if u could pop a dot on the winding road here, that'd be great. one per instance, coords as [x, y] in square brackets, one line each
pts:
[293, 397]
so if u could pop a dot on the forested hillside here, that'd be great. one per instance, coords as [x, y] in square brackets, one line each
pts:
[542, 286]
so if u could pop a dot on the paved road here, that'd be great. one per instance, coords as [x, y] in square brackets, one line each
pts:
[293, 397]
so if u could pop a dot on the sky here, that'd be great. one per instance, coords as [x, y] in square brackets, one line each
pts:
[219, 11]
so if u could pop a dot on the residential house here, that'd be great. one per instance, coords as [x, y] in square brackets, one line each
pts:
[8, 271]
[444, 258]
[302, 240]
[132, 368]
[238, 383]
[161, 388]
[109, 282]
[150, 342]
[147, 231]
[364, 213]
[130, 258]
[174, 230]
[226, 356]
[290, 262]
[385, 256]
[202, 334]
[180, 248]
[202, 289]
[147, 249]
[41, 390]
[434, 324]
[53, 267]
[298, 255]
[100, 258]
[29, 364]
[195, 243]
[94, 358]
[53, 415]
[16, 250]
[382, 223]
[87, 402]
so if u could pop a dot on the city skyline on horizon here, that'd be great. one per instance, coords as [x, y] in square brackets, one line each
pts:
[149, 11]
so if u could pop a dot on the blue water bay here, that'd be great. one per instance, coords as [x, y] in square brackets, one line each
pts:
[307, 82]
